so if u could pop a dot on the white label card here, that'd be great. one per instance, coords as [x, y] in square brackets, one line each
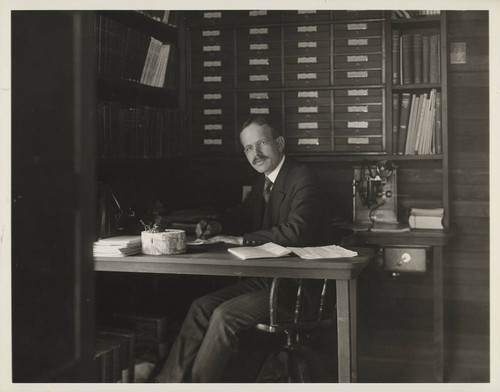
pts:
[307, 29]
[357, 124]
[209, 79]
[357, 109]
[211, 15]
[307, 94]
[259, 46]
[357, 93]
[307, 60]
[358, 140]
[212, 96]
[357, 59]
[357, 26]
[262, 30]
[308, 142]
[258, 78]
[302, 76]
[357, 74]
[307, 44]
[357, 42]
[257, 13]
[308, 109]
[259, 110]
[211, 33]
[213, 127]
[212, 142]
[211, 112]
[212, 63]
[258, 95]
[258, 62]
[213, 48]
[308, 125]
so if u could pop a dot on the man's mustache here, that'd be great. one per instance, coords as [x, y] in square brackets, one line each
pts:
[259, 158]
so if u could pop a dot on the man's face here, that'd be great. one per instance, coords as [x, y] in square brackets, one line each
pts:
[262, 151]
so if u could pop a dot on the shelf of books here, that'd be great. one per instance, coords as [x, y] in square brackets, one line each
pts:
[417, 89]
[137, 65]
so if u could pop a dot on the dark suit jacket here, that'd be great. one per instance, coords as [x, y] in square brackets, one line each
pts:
[297, 213]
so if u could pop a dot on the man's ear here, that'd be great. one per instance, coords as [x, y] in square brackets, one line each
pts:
[281, 143]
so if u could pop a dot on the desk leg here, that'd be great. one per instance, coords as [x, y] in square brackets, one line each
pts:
[438, 312]
[346, 330]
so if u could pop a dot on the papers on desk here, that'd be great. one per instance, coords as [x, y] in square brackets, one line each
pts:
[323, 252]
[271, 250]
[120, 246]
[260, 252]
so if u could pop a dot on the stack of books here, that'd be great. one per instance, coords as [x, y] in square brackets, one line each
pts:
[416, 58]
[417, 123]
[119, 246]
[426, 218]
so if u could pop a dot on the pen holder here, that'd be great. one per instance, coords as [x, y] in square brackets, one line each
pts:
[168, 242]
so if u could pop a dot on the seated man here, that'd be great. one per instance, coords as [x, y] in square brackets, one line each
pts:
[288, 207]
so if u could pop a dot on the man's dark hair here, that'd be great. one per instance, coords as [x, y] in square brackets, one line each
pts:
[261, 120]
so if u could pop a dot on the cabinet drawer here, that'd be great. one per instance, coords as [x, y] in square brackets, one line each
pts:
[209, 18]
[356, 112]
[357, 77]
[398, 259]
[358, 124]
[212, 115]
[358, 148]
[254, 60]
[307, 67]
[212, 82]
[213, 100]
[306, 79]
[357, 45]
[358, 61]
[256, 17]
[308, 144]
[307, 32]
[259, 98]
[256, 110]
[260, 80]
[211, 37]
[258, 34]
[306, 109]
[358, 95]
[358, 29]
[355, 14]
[293, 132]
[306, 15]
[319, 50]
[259, 49]
[308, 126]
[304, 117]
[358, 132]
[308, 97]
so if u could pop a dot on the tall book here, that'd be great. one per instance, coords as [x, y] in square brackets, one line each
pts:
[407, 50]
[395, 57]
[403, 122]
[439, 145]
[433, 59]
[395, 122]
[412, 123]
[417, 58]
[425, 59]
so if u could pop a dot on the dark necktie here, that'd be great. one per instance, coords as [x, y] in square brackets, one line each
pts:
[267, 189]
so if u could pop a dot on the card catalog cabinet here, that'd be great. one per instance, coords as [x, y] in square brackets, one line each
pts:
[318, 75]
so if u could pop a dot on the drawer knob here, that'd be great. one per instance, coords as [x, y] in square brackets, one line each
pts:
[405, 258]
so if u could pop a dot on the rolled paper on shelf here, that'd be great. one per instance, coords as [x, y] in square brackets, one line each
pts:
[168, 242]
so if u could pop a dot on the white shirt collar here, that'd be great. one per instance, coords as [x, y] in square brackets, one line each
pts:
[272, 176]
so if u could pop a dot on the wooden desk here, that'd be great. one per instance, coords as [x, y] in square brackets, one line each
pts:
[216, 260]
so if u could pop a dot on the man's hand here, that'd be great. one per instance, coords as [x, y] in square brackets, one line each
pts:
[228, 239]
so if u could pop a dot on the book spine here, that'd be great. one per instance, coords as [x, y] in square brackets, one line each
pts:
[403, 121]
[417, 58]
[411, 123]
[395, 57]
[433, 59]
[439, 146]
[425, 59]
[406, 49]
[395, 122]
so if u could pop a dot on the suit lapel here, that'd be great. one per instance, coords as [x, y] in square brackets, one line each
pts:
[277, 194]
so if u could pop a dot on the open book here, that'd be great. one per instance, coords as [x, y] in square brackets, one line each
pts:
[271, 249]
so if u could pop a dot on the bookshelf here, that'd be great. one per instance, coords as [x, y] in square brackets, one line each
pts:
[137, 67]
